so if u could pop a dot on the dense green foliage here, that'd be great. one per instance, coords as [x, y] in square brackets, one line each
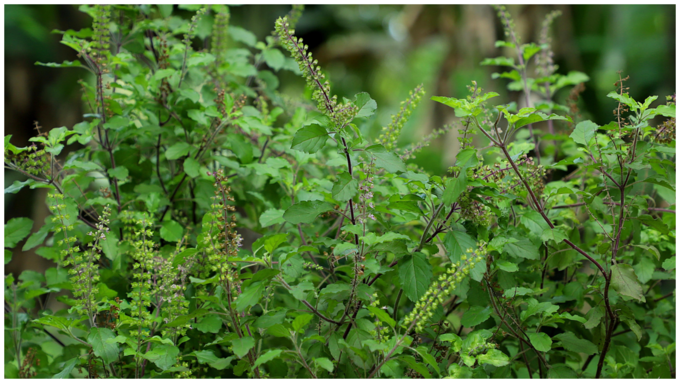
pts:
[548, 249]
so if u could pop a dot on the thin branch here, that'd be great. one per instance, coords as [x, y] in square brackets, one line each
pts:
[396, 305]
[287, 286]
[158, 170]
[660, 209]
[664, 297]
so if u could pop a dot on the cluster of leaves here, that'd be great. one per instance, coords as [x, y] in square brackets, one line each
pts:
[207, 226]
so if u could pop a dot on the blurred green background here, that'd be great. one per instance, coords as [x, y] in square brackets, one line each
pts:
[385, 50]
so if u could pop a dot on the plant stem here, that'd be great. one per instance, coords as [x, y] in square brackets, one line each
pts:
[350, 202]
[538, 205]
[396, 305]
[503, 320]
[106, 142]
[197, 157]
[523, 70]
[158, 170]
[302, 359]
[287, 286]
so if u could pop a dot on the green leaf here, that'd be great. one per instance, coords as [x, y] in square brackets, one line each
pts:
[512, 75]
[267, 356]
[242, 346]
[371, 239]
[164, 356]
[454, 103]
[241, 148]
[593, 316]
[669, 264]
[273, 242]
[68, 367]
[271, 217]
[382, 315]
[495, 358]
[65, 64]
[644, 270]
[17, 186]
[498, 242]
[16, 230]
[418, 367]
[56, 321]
[324, 363]
[86, 166]
[38, 237]
[120, 172]
[373, 345]
[456, 341]
[536, 307]
[189, 94]
[171, 231]
[8, 256]
[541, 341]
[192, 167]
[165, 10]
[177, 150]
[536, 117]
[242, 35]
[500, 61]
[656, 224]
[335, 288]
[528, 50]
[635, 328]
[457, 242]
[583, 132]
[502, 43]
[556, 234]
[366, 105]
[666, 110]
[570, 342]
[184, 319]
[254, 123]
[507, 266]
[422, 351]
[212, 360]
[568, 316]
[181, 257]
[98, 339]
[572, 78]
[105, 291]
[345, 188]
[250, 296]
[278, 330]
[299, 291]
[310, 139]
[517, 291]
[274, 58]
[306, 212]
[242, 366]
[454, 188]
[415, 274]
[523, 248]
[163, 73]
[625, 282]
[242, 69]
[648, 101]
[624, 99]
[209, 324]
[117, 123]
[475, 315]
[466, 159]
[386, 160]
